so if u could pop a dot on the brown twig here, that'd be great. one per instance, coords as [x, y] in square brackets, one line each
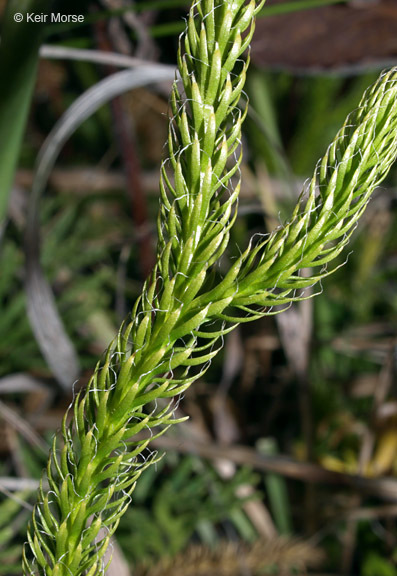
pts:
[383, 488]
[128, 150]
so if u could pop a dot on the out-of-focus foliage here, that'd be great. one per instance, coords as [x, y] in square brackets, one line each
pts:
[178, 499]
[13, 522]
[80, 256]
[278, 556]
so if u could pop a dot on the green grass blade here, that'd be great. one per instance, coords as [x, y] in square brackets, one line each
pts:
[19, 48]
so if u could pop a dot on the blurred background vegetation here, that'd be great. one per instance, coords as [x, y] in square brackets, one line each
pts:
[288, 462]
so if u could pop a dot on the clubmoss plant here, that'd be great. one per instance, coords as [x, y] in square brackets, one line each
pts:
[178, 323]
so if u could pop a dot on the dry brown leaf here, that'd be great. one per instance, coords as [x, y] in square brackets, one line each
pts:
[327, 37]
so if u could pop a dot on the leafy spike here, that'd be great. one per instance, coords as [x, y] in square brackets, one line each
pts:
[94, 464]
[95, 471]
